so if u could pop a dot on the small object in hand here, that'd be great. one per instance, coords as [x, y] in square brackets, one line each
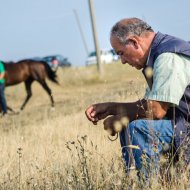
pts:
[113, 139]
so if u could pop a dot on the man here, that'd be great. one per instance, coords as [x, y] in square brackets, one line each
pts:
[54, 63]
[2, 88]
[160, 121]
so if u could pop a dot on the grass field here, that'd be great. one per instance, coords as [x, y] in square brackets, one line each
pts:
[45, 148]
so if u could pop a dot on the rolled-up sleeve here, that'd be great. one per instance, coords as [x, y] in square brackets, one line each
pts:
[171, 76]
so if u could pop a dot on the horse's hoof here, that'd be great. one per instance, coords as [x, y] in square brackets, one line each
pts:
[14, 112]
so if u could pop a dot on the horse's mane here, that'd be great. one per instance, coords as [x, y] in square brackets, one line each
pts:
[31, 60]
[7, 62]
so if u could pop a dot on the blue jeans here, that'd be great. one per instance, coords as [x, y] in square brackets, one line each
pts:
[150, 138]
[2, 98]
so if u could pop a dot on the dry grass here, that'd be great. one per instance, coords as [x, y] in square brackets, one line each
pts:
[43, 148]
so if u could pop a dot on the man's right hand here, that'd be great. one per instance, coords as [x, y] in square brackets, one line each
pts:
[96, 112]
[114, 124]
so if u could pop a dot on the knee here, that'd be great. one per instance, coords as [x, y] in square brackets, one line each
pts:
[129, 131]
[137, 127]
[134, 126]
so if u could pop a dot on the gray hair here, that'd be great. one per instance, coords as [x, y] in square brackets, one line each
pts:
[127, 27]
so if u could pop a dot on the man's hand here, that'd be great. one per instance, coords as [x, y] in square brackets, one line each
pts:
[96, 112]
[2, 75]
[115, 124]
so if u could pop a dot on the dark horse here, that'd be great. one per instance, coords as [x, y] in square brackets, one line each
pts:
[28, 71]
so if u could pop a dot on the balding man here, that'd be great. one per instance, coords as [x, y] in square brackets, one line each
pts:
[160, 121]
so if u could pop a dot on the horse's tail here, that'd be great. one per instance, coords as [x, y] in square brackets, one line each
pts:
[50, 73]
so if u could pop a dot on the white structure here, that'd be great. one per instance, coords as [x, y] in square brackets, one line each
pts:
[106, 56]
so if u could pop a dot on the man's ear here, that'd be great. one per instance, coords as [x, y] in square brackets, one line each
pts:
[133, 41]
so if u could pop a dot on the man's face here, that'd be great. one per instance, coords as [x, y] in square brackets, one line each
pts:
[130, 53]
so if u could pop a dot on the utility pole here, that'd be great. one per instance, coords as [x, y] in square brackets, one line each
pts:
[95, 35]
[81, 32]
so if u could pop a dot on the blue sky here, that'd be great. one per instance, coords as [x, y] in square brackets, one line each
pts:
[31, 28]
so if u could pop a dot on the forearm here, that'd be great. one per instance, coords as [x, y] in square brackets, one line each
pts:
[133, 110]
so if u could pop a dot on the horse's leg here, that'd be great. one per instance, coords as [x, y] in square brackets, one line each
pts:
[28, 91]
[48, 90]
[10, 109]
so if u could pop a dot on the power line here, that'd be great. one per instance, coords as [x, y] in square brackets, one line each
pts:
[81, 31]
